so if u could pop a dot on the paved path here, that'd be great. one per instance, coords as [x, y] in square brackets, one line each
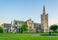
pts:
[12, 36]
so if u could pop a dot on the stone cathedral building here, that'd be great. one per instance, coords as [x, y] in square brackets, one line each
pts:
[15, 25]
[44, 20]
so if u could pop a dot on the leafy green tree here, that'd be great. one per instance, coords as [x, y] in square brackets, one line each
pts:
[54, 27]
[24, 27]
[1, 30]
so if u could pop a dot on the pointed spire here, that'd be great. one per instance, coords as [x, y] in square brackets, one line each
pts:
[43, 9]
[30, 19]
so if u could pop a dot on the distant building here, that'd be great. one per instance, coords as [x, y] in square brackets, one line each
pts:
[6, 27]
[37, 27]
[31, 27]
[15, 25]
[44, 21]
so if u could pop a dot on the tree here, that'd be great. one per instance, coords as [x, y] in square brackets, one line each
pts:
[54, 27]
[1, 30]
[24, 27]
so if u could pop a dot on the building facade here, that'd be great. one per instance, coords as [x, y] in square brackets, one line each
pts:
[31, 27]
[44, 20]
[6, 27]
[15, 25]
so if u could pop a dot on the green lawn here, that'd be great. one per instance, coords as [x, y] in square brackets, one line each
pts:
[26, 37]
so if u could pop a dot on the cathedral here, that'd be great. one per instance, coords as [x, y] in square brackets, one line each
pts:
[44, 20]
[15, 25]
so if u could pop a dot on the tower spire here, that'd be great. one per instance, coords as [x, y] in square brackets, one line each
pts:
[44, 9]
[44, 20]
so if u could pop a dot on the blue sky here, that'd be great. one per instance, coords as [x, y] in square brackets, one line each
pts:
[26, 9]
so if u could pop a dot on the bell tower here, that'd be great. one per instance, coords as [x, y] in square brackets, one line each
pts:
[44, 20]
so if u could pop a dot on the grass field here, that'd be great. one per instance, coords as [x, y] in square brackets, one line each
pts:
[26, 37]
